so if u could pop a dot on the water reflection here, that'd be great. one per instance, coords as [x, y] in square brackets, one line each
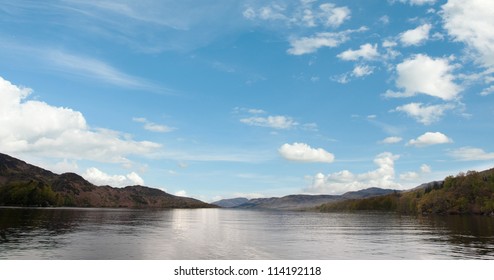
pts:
[466, 233]
[48, 233]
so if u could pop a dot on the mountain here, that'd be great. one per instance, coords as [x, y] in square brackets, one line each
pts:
[370, 192]
[300, 201]
[23, 184]
[289, 202]
[231, 202]
[466, 193]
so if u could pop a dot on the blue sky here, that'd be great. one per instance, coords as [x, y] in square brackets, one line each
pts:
[219, 99]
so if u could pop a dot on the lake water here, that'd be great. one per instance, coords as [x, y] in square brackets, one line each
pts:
[73, 233]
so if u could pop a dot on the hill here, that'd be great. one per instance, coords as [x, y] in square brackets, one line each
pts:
[470, 193]
[230, 202]
[23, 184]
[298, 201]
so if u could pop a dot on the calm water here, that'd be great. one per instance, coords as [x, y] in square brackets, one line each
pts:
[238, 234]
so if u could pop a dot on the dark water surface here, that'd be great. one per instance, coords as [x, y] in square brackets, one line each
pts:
[74, 233]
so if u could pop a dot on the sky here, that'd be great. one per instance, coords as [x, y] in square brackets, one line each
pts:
[221, 99]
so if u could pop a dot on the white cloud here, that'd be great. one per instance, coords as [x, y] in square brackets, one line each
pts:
[310, 127]
[148, 26]
[34, 127]
[344, 181]
[471, 154]
[415, 36]
[414, 176]
[256, 111]
[487, 91]
[65, 166]
[249, 195]
[425, 114]
[430, 138]
[384, 19]
[277, 122]
[424, 168]
[422, 2]
[181, 193]
[95, 69]
[305, 45]
[343, 78]
[100, 178]
[409, 176]
[273, 12]
[418, 2]
[389, 44]
[249, 13]
[422, 74]
[78, 66]
[362, 70]
[366, 52]
[472, 22]
[150, 126]
[301, 14]
[391, 140]
[357, 72]
[334, 16]
[305, 153]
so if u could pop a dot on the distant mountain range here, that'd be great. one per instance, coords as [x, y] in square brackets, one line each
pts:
[23, 184]
[231, 202]
[298, 201]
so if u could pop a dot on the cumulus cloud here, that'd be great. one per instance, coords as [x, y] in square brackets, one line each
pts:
[366, 51]
[430, 138]
[100, 178]
[425, 114]
[154, 127]
[472, 22]
[422, 74]
[306, 45]
[334, 16]
[35, 127]
[344, 181]
[305, 153]
[391, 140]
[471, 154]
[415, 36]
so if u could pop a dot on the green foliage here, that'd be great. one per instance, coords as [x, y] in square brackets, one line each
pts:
[30, 193]
[466, 193]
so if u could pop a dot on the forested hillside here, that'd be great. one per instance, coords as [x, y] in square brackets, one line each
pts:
[466, 193]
